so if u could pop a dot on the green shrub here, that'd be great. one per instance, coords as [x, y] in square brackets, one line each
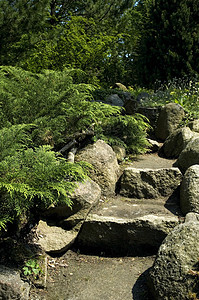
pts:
[32, 178]
[41, 111]
[59, 109]
[128, 131]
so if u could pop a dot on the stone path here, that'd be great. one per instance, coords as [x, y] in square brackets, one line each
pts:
[119, 226]
[82, 277]
[127, 226]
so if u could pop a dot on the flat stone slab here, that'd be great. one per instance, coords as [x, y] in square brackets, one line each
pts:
[149, 161]
[124, 226]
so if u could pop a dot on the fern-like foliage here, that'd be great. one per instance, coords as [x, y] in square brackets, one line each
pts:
[14, 138]
[127, 131]
[41, 111]
[35, 179]
[32, 178]
[60, 109]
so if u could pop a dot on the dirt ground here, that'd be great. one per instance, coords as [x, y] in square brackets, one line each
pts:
[75, 276]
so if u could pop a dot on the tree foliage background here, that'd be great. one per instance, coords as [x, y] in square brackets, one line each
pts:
[134, 42]
[53, 55]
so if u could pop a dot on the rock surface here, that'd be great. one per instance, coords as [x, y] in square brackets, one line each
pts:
[169, 277]
[149, 183]
[123, 226]
[85, 196]
[120, 152]
[194, 125]
[189, 190]
[55, 239]
[11, 285]
[154, 146]
[106, 169]
[131, 106]
[189, 156]
[119, 85]
[88, 277]
[115, 100]
[177, 141]
[169, 119]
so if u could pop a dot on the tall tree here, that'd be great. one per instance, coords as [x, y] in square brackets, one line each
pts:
[99, 10]
[18, 18]
[169, 46]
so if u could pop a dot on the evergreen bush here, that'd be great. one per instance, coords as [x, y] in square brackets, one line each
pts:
[41, 113]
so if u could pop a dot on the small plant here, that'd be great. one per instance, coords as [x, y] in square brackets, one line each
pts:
[32, 268]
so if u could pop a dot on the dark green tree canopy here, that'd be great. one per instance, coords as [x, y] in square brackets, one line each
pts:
[99, 10]
[170, 40]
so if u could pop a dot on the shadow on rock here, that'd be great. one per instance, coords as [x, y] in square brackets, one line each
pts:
[140, 289]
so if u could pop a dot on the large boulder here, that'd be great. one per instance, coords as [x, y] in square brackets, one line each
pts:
[11, 285]
[149, 183]
[189, 156]
[64, 223]
[154, 145]
[170, 278]
[177, 141]
[105, 166]
[189, 190]
[120, 152]
[169, 119]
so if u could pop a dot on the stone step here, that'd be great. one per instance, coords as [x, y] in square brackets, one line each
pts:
[149, 183]
[149, 161]
[122, 226]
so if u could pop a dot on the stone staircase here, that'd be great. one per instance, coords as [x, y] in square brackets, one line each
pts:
[135, 226]
[127, 224]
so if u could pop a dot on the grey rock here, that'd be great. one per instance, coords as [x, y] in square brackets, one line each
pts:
[114, 100]
[11, 285]
[85, 196]
[151, 113]
[142, 97]
[105, 166]
[126, 96]
[169, 119]
[120, 152]
[55, 239]
[149, 183]
[131, 106]
[177, 141]
[169, 277]
[192, 217]
[194, 125]
[189, 190]
[154, 146]
[189, 156]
